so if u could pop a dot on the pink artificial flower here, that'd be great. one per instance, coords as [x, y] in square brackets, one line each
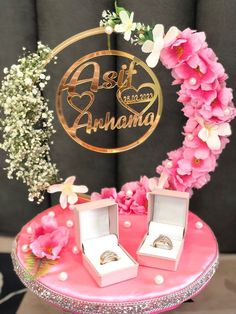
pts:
[105, 193]
[194, 77]
[185, 46]
[153, 184]
[50, 245]
[196, 161]
[133, 196]
[197, 97]
[68, 191]
[131, 199]
[201, 181]
[48, 224]
[124, 203]
[221, 109]
[169, 167]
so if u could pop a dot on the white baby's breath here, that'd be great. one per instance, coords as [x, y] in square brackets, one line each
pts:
[27, 123]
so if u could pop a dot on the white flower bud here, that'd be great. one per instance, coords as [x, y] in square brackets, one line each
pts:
[28, 81]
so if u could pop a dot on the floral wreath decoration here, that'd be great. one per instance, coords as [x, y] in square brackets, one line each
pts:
[207, 104]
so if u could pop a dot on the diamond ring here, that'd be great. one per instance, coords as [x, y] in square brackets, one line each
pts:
[163, 242]
[107, 257]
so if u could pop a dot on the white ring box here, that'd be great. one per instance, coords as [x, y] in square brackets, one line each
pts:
[96, 232]
[167, 215]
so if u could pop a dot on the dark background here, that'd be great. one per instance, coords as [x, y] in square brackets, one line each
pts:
[24, 22]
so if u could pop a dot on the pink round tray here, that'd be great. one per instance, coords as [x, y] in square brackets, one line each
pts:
[80, 294]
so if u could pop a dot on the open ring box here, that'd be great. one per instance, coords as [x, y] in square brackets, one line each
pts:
[168, 216]
[97, 232]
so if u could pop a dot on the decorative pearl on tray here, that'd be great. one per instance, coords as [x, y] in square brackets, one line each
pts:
[199, 225]
[51, 213]
[69, 223]
[127, 224]
[159, 280]
[63, 276]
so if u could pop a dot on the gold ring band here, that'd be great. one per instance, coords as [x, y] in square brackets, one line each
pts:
[107, 257]
[163, 242]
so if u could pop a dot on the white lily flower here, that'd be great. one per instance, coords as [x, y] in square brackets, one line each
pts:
[210, 134]
[127, 25]
[159, 41]
[68, 191]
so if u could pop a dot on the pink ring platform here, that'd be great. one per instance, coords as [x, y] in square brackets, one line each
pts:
[80, 294]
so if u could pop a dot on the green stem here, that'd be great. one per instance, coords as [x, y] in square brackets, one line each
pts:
[109, 42]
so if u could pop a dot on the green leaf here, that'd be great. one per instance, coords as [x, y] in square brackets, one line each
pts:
[30, 261]
[119, 9]
[43, 267]
[37, 267]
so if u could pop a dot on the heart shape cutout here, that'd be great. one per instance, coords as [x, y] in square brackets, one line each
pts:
[130, 105]
[81, 108]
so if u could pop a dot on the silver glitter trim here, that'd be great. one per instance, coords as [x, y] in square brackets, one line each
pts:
[147, 306]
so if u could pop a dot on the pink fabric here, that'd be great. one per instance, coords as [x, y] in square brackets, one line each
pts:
[200, 251]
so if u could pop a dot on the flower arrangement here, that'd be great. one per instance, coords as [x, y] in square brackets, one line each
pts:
[47, 240]
[27, 124]
[206, 99]
[207, 103]
[132, 196]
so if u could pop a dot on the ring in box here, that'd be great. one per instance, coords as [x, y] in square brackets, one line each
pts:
[97, 232]
[168, 217]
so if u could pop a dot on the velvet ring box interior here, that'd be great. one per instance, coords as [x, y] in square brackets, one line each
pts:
[97, 232]
[168, 216]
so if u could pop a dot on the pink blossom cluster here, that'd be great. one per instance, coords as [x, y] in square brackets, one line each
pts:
[207, 105]
[132, 197]
[48, 238]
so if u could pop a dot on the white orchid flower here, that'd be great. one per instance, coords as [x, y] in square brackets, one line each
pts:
[127, 25]
[68, 191]
[210, 134]
[159, 41]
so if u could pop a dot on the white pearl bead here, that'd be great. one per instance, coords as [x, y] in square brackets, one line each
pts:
[192, 81]
[227, 111]
[63, 276]
[108, 30]
[127, 224]
[69, 223]
[29, 230]
[190, 137]
[169, 164]
[129, 193]
[25, 248]
[199, 225]
[75, 250]
[159, 279]
[51, 214]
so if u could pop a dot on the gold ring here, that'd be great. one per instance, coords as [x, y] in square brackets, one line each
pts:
[107, 257]
[163, 242]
